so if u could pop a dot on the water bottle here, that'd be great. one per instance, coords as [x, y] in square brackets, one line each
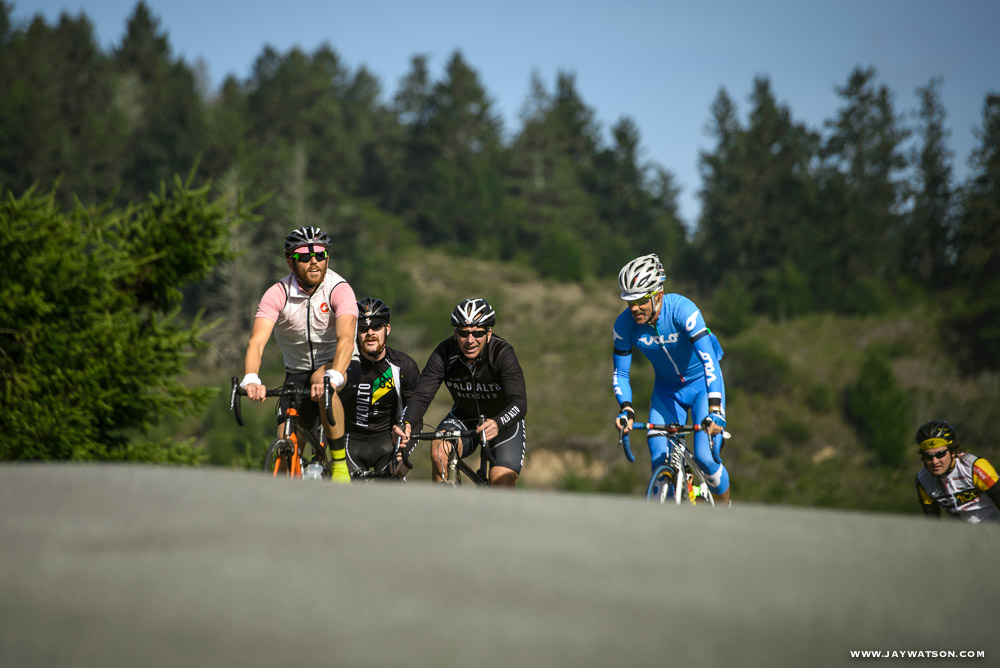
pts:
[313, 472]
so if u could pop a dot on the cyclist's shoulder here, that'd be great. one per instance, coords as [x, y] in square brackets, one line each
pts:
[624, 322]
[333, 278]
[925, 478]
[500, 349]
[678, 303]
[398, 357]
[444, 354]
[982, 465]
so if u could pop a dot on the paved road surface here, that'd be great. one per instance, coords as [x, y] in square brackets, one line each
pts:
[141, 566]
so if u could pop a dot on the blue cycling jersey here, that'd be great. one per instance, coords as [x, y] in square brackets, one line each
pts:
[685, 357]
[680, 347]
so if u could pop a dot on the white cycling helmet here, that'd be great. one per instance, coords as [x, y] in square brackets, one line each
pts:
[641, 276]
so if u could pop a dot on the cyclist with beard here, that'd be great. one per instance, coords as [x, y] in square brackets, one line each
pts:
[379, 381]
[313, 314]
[485, 379]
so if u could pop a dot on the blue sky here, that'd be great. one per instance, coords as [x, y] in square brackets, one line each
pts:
[659, 62]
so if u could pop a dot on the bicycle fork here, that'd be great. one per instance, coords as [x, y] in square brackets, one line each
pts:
[294, 463]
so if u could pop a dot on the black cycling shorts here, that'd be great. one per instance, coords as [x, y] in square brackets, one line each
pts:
[507, 449]
[309, 410]
[372, 452]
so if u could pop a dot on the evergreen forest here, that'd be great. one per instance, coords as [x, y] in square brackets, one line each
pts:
[852, 279]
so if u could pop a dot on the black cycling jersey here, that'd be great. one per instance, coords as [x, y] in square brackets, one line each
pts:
[376, 392]
[492, 385]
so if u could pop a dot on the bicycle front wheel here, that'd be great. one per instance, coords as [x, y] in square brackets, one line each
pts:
[278, 459]
[659, 487]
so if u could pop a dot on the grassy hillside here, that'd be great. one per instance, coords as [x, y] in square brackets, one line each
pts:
[787, 385]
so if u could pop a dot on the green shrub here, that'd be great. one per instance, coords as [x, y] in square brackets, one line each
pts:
[767, 445]
[792, 431]
[820, 397]
[757, 368]
[879, 408]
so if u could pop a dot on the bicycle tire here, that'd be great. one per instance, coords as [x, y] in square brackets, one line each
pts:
[453, 474]
[278, 458]
[659, 493]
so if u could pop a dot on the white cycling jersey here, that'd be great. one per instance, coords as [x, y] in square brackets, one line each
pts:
[305, 324]
[962, 491]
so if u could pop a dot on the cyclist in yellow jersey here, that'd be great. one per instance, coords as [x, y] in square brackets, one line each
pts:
[961, 483]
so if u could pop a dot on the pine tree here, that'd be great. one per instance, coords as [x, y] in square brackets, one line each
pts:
[92, 344]
[974, 324]
[927, 240]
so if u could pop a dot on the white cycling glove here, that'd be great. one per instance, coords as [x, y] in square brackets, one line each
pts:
[250, 379]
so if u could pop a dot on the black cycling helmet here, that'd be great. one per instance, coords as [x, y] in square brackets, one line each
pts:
[372, 308]
[474, 311]
[306, 236]
[936, 434]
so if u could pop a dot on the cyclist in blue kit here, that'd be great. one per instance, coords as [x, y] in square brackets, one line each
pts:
[671, 332]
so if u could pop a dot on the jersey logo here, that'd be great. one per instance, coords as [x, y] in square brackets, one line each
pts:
[709, 366]
[324, 308]
[648, 340]
[617, 336]
[965, 497]
[692, 320]
[383, 384]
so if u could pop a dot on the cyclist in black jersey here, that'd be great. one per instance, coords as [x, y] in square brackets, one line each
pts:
[379, 381]
[485, 379]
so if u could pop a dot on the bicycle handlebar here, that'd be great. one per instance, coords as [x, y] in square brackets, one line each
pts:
[443, 434]
[674, 428]
[285, 390]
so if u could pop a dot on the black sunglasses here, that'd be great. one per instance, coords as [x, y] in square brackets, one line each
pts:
[464, 333]
[375, 327]
[304, 258]
[931, 456]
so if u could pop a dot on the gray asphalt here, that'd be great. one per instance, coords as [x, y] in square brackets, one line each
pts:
[146, 566]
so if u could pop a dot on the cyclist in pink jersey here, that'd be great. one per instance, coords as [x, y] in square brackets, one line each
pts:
[313, 314]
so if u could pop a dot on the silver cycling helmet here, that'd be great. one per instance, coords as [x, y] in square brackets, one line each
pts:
[641, 276]
[474, 311]
[306, 236]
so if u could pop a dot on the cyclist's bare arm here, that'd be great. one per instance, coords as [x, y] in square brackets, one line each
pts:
[346, 328]
[259, 336]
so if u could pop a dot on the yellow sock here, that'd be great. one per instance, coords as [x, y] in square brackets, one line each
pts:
[340, 471]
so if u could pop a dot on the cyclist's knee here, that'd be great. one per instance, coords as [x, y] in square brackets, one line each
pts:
[718, 481]
[501, 476]
[440, 451]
